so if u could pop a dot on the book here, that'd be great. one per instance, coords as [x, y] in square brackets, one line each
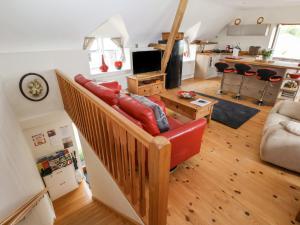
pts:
[200, 102]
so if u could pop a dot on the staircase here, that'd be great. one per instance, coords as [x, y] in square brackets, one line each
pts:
[78, 208]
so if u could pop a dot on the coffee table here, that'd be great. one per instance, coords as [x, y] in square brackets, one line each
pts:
[185, 107]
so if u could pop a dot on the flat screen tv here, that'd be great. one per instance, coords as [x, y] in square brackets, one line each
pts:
[146, 61]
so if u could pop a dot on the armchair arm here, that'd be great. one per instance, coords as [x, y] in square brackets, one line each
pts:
[185, 140]
[276, 108]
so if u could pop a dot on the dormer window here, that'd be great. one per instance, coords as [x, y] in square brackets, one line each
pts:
[108, 51]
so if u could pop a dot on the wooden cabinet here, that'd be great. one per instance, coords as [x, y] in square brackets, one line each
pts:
[61, 182]
[146, 84]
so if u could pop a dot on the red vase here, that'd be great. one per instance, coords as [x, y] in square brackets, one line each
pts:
[118, 65]
[103, 67]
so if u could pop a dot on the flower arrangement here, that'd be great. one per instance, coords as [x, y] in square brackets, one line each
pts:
[35, 88]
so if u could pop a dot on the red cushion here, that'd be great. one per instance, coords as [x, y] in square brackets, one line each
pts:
[82, 80]
[139, 112]
[230, 70]
[114, 85]
[105, 94]
[138, 123]
[173, 123]
[250, 73]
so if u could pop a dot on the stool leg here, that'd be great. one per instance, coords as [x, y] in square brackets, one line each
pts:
[222, 84]
[238, 95]
[261, 100]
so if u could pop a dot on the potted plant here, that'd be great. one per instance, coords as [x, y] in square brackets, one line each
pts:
[266, 54]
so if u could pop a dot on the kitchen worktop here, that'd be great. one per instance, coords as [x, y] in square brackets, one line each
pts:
[270, 64]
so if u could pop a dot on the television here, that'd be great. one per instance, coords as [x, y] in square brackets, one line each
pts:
[146, 61]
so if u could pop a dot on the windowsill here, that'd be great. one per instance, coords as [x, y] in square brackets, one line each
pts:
[287, 59]
[97, 73]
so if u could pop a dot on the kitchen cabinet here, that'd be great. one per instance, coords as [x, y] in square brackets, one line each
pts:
[61, 182]
[205, 65]
[188, 69]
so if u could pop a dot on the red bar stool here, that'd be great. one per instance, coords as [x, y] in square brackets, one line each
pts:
[270, 77]
[244, 71]
[223, 68]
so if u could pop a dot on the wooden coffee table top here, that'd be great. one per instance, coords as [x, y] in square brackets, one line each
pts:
[172, 96]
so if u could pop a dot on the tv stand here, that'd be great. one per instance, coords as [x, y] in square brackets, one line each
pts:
[147, 84]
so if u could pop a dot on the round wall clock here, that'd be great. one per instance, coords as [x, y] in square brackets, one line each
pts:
[237, 21]
[260, 20]
[34, 87]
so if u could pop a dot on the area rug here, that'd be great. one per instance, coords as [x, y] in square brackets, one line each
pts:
[231, 114]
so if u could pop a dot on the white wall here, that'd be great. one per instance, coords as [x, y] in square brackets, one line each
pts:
[14, 65]
[19, 177]
[272, 16]
[102, 184]
[42, 125]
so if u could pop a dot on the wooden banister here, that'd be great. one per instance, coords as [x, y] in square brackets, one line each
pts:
[21, 212]
[138, 162]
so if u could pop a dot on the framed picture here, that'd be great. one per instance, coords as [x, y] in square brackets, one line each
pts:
[38, 139]
[34, 87]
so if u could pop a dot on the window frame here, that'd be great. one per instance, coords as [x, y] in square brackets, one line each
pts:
[101, 50]
[275, 38]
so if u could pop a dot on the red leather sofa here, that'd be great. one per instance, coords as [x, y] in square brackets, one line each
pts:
[185, 138]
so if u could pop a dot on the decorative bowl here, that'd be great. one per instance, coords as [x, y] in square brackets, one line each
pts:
[186, 94]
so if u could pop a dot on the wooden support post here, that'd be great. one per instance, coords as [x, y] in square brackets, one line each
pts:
[159, 166]
[176, 25]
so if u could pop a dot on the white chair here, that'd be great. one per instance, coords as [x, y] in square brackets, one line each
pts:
[279, 145]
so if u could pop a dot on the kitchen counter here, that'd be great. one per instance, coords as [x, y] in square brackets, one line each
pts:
[252, 86]
[260, 63]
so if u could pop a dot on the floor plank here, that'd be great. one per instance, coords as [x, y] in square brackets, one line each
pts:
[227, 183]
[78, 208]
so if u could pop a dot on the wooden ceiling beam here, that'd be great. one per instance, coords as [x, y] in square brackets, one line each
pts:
[175, 28]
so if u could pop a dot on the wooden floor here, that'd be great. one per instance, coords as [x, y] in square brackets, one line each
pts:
[227, 183]
[78, 208]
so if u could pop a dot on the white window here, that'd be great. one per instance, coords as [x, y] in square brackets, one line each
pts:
[286, 44]
[111, 53]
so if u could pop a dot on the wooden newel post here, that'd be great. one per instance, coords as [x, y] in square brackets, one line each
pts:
[159, 156]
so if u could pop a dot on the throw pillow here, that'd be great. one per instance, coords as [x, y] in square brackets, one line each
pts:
[291, 126]
[160, 116]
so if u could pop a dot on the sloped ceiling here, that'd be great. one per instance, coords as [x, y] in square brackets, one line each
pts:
[34, 25]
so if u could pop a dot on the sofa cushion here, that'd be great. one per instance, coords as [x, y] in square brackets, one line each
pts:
[80, 79]
[273, 120]
[292, 126]
[104, 93]
[114, 85]
[174, 123]
[138, 123]
[290, 109]
[139, 112]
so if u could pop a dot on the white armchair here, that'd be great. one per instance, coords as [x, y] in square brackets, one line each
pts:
[280, 146]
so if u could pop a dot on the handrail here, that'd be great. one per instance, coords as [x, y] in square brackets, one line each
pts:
[138, 162]
[21, 212]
